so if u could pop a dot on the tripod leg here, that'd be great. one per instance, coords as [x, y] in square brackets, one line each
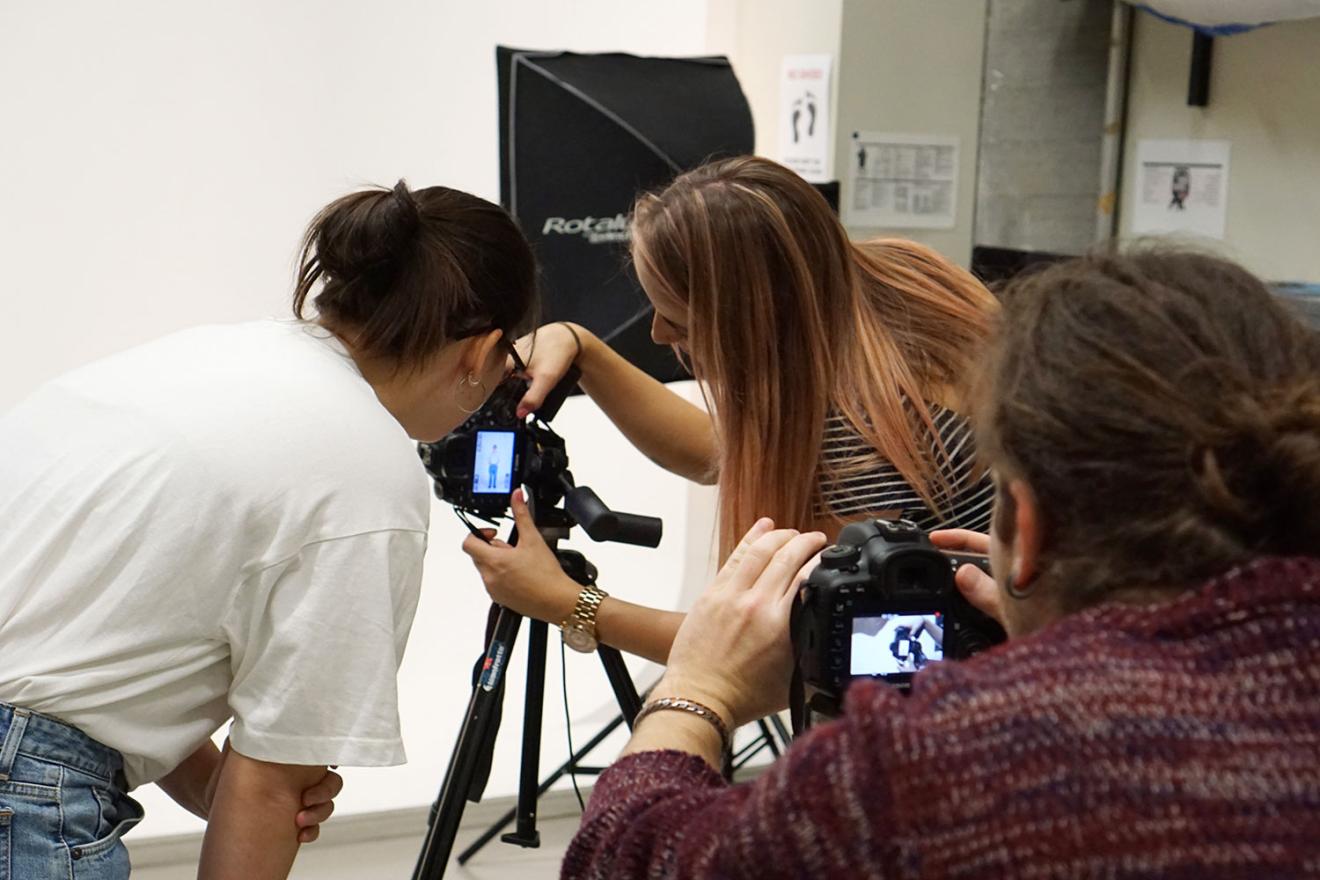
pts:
[624, 689]
[549, 781]
[525, 834]
[629, 705]
[784, 736]
[477, 730]
[769, 737]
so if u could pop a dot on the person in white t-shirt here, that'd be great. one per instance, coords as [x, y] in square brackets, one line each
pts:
[229, 523]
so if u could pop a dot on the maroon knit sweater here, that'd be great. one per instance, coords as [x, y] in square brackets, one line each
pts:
[1181, 740]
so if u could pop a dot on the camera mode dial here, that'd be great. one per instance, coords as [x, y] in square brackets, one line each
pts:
[841, 557]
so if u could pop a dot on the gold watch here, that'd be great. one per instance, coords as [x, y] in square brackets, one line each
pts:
[579, 630]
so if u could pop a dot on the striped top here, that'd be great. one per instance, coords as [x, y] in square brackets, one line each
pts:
[856, 480]
[1124, 741]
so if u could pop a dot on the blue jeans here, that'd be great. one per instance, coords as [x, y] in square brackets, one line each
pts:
[63, 805]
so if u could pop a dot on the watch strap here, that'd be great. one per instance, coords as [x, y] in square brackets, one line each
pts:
[584, 612]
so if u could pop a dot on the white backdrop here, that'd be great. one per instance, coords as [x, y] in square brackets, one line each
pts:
[159, 160]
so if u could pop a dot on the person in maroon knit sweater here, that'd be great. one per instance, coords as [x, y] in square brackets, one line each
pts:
[1153, 422]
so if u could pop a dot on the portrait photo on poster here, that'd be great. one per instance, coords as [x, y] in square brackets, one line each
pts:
[1181, 187]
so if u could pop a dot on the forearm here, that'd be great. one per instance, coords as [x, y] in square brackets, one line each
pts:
[252, 833]
[669, 430]
[680, 732]
[637, 629]
[633, 629]
[667, 814]
[188, 785]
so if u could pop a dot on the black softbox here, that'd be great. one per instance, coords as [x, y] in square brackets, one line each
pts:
[580, 137]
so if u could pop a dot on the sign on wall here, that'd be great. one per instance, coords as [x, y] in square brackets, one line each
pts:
[804, 115]
[902, 181]
[1182, 186]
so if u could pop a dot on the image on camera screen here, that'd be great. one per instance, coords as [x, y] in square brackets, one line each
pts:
[492, 472]
[895, 644]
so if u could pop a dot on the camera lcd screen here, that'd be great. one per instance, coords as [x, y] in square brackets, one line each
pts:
[492, 472]
[896, 644]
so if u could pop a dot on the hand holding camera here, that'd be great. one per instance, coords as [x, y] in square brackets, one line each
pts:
[549, 357]
[527, 578]
[732, 653]
[976, 585]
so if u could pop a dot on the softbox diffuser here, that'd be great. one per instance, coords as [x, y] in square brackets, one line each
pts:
[580, 137]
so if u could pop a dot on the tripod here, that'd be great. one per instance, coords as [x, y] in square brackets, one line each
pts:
[469, 765]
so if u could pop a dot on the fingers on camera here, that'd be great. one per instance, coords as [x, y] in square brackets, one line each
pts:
[960, 540]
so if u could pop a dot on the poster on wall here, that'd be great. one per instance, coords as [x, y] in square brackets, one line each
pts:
[902, 181]
[1182, 186]
[804, 115]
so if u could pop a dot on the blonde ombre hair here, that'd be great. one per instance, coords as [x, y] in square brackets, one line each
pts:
[789, 321]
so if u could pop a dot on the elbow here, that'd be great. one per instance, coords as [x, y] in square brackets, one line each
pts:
[706, 472]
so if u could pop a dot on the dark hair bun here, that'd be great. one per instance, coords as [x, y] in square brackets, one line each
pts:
[1261, 474]
[406, 271]
[368, 232]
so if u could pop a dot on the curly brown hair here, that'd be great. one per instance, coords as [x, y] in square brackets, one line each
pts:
[1164, 407]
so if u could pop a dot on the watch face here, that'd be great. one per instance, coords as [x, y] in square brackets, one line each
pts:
[579, 640]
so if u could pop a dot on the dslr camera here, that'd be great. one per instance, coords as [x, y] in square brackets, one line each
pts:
[478, 465]
[881, 604]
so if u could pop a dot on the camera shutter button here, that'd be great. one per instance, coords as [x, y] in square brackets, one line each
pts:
[840, 557]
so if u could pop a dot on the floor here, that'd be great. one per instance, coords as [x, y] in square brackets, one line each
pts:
[393, 858]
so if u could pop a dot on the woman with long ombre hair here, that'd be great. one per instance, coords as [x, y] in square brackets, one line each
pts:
[835, 374]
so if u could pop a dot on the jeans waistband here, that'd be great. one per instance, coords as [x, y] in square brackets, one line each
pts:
[29, 733]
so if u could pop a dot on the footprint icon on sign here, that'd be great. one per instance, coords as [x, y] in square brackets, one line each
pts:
[804, 105]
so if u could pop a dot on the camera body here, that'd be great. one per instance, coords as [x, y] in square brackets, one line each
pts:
[882, 604]
[477, 466]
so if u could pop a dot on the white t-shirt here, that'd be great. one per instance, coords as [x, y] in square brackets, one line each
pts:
[222, 523]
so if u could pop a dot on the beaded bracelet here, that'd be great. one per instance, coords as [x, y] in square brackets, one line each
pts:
[692, 707]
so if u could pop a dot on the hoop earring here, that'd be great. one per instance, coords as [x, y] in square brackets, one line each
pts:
[472, 382]
[1013, 591]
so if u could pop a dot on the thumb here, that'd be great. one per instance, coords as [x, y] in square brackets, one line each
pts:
[537, 391]
[980, 590]
[522, 516]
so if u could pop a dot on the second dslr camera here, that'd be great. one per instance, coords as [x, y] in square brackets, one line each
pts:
[882, 604]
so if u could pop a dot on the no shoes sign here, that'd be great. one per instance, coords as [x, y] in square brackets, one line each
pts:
[804, 115]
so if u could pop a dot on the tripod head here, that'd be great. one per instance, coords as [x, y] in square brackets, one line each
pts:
[550, 483]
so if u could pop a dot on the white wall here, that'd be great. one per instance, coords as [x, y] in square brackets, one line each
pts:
[1265, 100]
[900, 66]
[914, 67]
[757, 34]
[158, 164]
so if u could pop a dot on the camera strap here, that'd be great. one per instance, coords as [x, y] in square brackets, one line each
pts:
[797, 709]
[470, 527]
